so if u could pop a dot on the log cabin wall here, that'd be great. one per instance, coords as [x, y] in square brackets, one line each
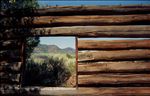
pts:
[117, 63]
[108, 67]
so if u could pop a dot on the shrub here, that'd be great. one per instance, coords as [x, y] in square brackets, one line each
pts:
[51, 72]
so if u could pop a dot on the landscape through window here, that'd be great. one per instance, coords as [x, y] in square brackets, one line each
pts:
[51, 62]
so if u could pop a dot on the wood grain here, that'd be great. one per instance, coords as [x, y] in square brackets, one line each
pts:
[95, 20]
[10, 67]
[56, 21]
[10, 44]
[102, 80]
[113, 44]
[81, 91]
[9, 78]
[85, 10]
[134, 31]
[117, 55]
[114, 67]
[9, 89]
[115, 91]
[10, 55]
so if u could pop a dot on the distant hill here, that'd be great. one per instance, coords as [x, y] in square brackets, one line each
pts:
[43, 48]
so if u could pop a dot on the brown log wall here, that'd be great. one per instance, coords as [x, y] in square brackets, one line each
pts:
[113, 63]
[126, 31]
[113, 67]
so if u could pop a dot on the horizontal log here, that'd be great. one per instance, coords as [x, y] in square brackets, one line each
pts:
[10, 60]
[108, 91]
[115, 91]
[61, 21]
[56, 21]
[10, 54]
[10, 44]
[85, 31]
[102, 80]
[85, 10]
[9, 89]
[10, 67]
[113, 67]
[113, 44]
[9, 78]
[114, 55]
[89, 91]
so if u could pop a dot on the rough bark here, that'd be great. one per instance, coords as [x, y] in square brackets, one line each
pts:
[114, 67]
[113, 44]
[117, 55]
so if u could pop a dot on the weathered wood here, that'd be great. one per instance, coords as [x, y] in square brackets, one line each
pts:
[10, 67]
[10, 55]
[10, 44]
[86, 31]
[10, 60]
[114, 91]
[114, 55]
[56, 21]
[104, 91]
[113, 44]
[8, 78]
[84, 91]
[114, 67]
[86, 10]
[114, 80]
[94, 31]
[61, 21]
[76, 63]
[9, 89]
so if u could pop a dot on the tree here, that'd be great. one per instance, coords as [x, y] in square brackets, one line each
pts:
[10, 26]
[18, 8]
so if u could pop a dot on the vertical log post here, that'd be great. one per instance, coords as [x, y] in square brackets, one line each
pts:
[77, 62]
[23, 57]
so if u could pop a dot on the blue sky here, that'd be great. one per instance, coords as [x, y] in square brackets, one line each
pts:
[64, 42]
[91, 2]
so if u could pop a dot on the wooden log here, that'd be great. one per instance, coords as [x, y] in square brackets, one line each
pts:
[114, 91]
[114, 67]
[85, 10]
[114, 55]
[61, 21]
[89, 91]
[81, 91]
[9, 78]
[10, 60]
[56, 21]
[113, 44]
[86, 31]
[102, 80]
[10, 44]
[94, 31]
[10, 67]
[10, 53]
[9, 89]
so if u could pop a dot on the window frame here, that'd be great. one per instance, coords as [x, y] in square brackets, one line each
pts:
[48, 88]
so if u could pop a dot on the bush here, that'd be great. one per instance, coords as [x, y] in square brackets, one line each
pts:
[51, 72]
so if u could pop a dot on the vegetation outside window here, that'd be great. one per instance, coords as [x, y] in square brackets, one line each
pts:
[52, 63]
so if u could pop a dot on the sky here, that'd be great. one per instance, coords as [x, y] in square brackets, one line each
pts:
[91, 2]
[64, 42]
